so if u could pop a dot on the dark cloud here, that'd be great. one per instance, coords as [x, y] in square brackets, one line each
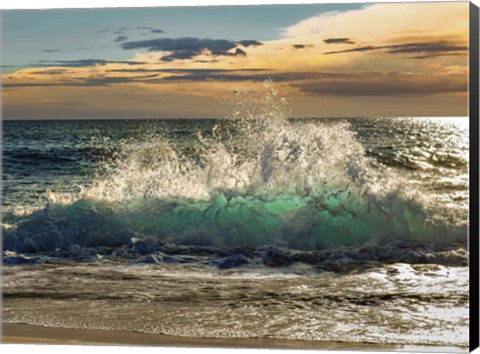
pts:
[423, 50]
[434, 55]
[358, 49]
[139, 70]
[252, 74]
[382, 84]
[339, 41]
[121, 39]
[178, 70]
[433, 49]
[100, 81]
[14, 66]
[51, 50]
[199, 75]
[116, 80]
[353, 83]
[150, 76]
[249, 43]
[122, 30]
[116, 31]
[151, 29]
[189, 47]
[49, 72]
[207, 61]
[302, 46]
[92, 48]
[85, 62]
[239, 52]
[32, 84]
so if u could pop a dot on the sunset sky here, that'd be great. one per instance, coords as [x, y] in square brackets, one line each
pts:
[337, 60]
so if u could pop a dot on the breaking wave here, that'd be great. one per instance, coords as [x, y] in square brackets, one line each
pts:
[256, 179]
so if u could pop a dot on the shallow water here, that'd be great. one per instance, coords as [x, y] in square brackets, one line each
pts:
[399, 303]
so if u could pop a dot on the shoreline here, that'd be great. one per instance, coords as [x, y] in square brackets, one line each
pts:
[33, 334]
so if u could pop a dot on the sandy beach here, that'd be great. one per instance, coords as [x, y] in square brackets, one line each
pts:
[29, 334]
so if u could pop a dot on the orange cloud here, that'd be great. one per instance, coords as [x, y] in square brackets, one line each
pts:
[400, 51]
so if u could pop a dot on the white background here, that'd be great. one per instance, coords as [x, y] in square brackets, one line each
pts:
[64, 349]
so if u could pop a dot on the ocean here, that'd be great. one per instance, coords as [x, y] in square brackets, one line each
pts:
[252, 226]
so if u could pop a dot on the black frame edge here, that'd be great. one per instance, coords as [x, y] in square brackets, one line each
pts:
[474, 176]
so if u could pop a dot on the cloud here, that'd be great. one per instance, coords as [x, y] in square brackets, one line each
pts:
[115, 80]
[302, 46]
[41, 84]
[367, 48]
[97, 81]
[249, 43]
[72, 77]
[181, 70]
[190, 47]
[151, 29]
[306, 84]
[424, 50]
[349, 83]
[339, 41]
[122, 30]
[13, 66]
[51, 50]
[49, 72]
[238, 52]
[85, 62]
[195, 70]
[139, 70]
[206, 61]
[121, 39]
[203, 75]
[115, 31]
[383, 84]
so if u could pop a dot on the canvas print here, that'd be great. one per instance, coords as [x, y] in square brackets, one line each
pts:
[280, 176]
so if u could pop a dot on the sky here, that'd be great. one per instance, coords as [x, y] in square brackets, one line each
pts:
[331, 60]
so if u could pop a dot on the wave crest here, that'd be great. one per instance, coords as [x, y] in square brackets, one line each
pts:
[256, 178]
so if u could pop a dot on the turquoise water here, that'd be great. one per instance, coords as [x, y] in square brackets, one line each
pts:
[306, 184]
[253, 178]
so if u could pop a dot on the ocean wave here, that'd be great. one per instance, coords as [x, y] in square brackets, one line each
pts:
[257, 179]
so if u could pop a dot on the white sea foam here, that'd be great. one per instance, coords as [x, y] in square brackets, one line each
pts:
[258, 178]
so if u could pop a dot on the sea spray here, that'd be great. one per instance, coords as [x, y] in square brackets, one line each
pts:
[256, 178]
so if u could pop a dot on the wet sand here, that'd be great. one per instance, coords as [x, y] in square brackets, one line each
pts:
[30, 334]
